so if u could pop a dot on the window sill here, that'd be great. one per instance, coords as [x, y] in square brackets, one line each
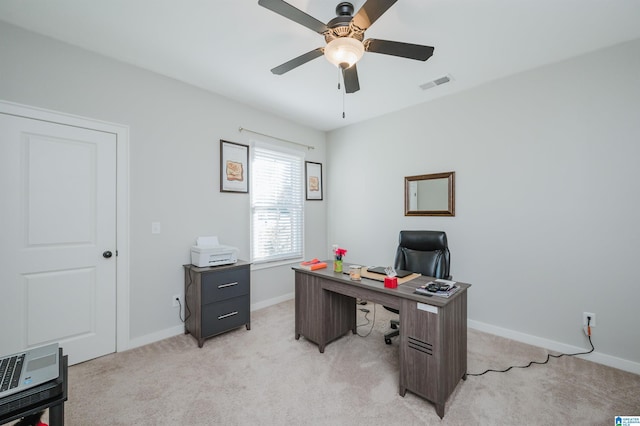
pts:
[275, 264]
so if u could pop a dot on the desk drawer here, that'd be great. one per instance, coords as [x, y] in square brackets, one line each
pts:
[224, 285]
[223, 316]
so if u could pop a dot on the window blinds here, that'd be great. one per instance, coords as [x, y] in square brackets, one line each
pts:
[276, 205]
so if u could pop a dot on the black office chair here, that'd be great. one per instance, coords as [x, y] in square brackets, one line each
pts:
[423, 252]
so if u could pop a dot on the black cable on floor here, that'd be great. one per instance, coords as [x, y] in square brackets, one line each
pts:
[372, 322]
[535, 362]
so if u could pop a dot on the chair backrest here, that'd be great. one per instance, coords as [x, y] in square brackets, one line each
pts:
[424, 252]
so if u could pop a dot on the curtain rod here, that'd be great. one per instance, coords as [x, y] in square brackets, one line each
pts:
[242, 129]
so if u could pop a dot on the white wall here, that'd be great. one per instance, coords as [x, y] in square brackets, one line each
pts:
[547, 197]
[547, 184]
[174, 164]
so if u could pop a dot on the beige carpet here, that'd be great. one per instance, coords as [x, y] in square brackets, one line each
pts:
[264, 376]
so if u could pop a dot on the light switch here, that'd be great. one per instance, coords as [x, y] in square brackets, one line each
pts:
[155, 227]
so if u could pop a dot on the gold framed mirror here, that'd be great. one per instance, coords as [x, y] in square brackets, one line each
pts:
[430, 195]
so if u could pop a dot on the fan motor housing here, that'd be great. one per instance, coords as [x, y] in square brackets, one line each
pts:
[340, 25]
[344, 9]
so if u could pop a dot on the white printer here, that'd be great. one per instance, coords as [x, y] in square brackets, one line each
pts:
[209, 252]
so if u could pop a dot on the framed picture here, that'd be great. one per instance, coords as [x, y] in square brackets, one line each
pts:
[313, 177]
[234, 167]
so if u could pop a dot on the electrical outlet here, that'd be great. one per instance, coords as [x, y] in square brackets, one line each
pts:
[177, 300]
[592, 323]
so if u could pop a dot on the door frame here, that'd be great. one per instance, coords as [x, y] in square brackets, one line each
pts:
[122, 198]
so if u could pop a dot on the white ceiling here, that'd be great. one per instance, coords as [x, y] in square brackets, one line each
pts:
[229, 46]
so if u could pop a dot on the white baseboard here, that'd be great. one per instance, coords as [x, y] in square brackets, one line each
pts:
[598, 357]
[154, 337]
[179, 329]
[271, 302]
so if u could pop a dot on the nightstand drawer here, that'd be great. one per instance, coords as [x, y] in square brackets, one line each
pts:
[225, 285]
[223, 316]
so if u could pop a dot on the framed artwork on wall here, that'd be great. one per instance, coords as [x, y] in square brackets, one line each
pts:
[234, 167]
[313, 178]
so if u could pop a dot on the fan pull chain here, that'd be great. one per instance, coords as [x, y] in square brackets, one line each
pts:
[340, 75]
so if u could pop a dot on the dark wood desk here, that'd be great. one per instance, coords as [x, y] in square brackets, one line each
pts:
[433, 330]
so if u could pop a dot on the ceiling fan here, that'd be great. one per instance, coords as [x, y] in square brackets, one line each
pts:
[344, 36]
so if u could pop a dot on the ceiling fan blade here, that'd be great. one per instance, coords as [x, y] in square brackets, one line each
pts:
[350, 77]
[396, 48]
[296, 15]
[370, 12]
[296, 62]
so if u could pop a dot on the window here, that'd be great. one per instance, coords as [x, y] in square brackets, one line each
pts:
[276, 205]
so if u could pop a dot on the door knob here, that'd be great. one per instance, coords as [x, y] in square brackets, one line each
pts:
[107, 254]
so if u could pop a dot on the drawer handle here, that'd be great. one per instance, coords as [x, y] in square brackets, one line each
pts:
[230, 314]
[228, 285]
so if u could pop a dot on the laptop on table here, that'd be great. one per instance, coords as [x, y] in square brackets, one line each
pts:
[27, 369]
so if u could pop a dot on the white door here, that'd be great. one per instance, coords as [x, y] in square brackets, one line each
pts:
[58, 217]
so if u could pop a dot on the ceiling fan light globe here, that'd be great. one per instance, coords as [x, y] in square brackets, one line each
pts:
[344, 50]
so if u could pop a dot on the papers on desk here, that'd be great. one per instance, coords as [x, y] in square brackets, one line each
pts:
[440, 289]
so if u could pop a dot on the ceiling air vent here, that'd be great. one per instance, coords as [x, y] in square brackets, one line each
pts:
[437, 82]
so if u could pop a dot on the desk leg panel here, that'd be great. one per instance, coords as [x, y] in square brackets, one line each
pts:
[308, 307]
[321, 316]
[433, 349]
[339, 315]
[420, 354]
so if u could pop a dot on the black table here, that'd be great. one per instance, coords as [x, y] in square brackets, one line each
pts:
[54, 404]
